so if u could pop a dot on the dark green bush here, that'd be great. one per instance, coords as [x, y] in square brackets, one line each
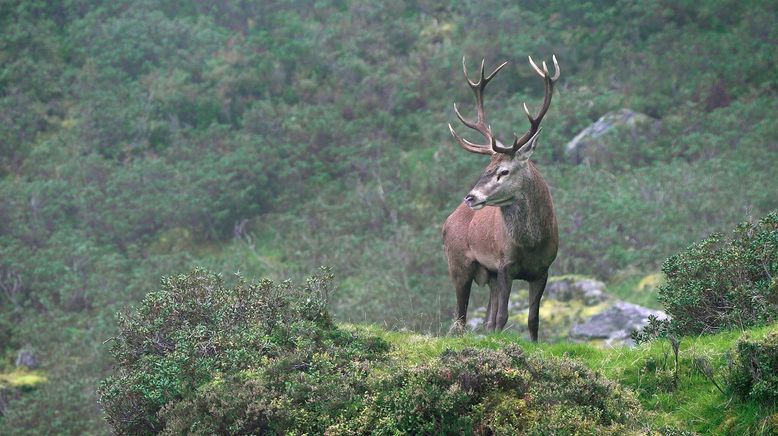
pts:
[200, 357]
[755, 372]
[466, 392]
[196, 334]
[722, 283]
[303, 391]
[495, 392]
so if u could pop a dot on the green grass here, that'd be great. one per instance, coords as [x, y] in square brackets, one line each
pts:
[692, 403]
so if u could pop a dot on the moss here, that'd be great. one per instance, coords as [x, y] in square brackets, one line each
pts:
[22, 379]
[556, 317]
[570, 277]
[651, 282]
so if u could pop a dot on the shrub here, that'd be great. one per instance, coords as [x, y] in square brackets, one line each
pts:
[468, 391]
[755, 372]
[494, 392]
[195, 336]
[200, 357]
[722, 283]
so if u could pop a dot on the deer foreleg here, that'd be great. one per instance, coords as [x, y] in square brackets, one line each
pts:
[504, 283]
[536, 289]
[491, 308]
[462, 285]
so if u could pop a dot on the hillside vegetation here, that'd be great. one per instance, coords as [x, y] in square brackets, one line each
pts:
[141, 139]
[198, 357]
[201, 358]
[687, 402]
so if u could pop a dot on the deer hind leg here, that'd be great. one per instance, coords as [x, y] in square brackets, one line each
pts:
[462, 277]
[536, 289]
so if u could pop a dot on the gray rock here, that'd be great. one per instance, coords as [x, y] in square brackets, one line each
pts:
[27, 357]
[588, 290]
[591, 145]
[567, 288]
[615, 324]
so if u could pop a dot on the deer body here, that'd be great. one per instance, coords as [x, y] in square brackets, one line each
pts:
[506, 227]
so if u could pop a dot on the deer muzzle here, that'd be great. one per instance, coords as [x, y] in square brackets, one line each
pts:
[474, 202]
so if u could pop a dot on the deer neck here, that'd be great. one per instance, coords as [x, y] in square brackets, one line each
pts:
[527, 219]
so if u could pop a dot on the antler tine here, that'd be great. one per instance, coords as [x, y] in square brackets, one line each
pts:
[544, 72]
[538, 70]
[480, 124]
[472, 125]
[556, 68]
[484, 79]
[469, 146]
[496, 70]
[467, 77]
[548, 84]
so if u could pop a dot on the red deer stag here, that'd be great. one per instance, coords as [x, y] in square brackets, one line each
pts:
[517, 237]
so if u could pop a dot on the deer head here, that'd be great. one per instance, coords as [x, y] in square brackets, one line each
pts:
[506, 174]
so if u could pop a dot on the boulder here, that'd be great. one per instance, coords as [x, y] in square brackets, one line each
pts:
[615, 324]
[588, 290]
[27, 357]
[595, 143]
[567, 300]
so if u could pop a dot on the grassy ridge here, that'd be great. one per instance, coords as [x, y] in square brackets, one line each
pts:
[693, 403]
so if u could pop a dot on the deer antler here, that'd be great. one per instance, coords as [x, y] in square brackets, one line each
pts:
[548, 81]
[480, 125]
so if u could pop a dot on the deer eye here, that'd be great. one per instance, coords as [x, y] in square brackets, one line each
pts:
[502, 174]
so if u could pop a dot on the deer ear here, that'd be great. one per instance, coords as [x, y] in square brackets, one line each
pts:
[527, 149]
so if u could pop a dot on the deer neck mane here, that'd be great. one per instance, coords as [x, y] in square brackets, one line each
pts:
[527, 218]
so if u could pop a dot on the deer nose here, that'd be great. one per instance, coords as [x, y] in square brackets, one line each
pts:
[469, 199]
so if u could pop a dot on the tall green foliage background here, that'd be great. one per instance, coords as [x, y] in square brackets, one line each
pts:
[141, 138]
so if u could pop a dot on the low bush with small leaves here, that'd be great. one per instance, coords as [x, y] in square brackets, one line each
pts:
[723, 283]
[199, 357]
[463, 392]
[501, 391]
[196, 335]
